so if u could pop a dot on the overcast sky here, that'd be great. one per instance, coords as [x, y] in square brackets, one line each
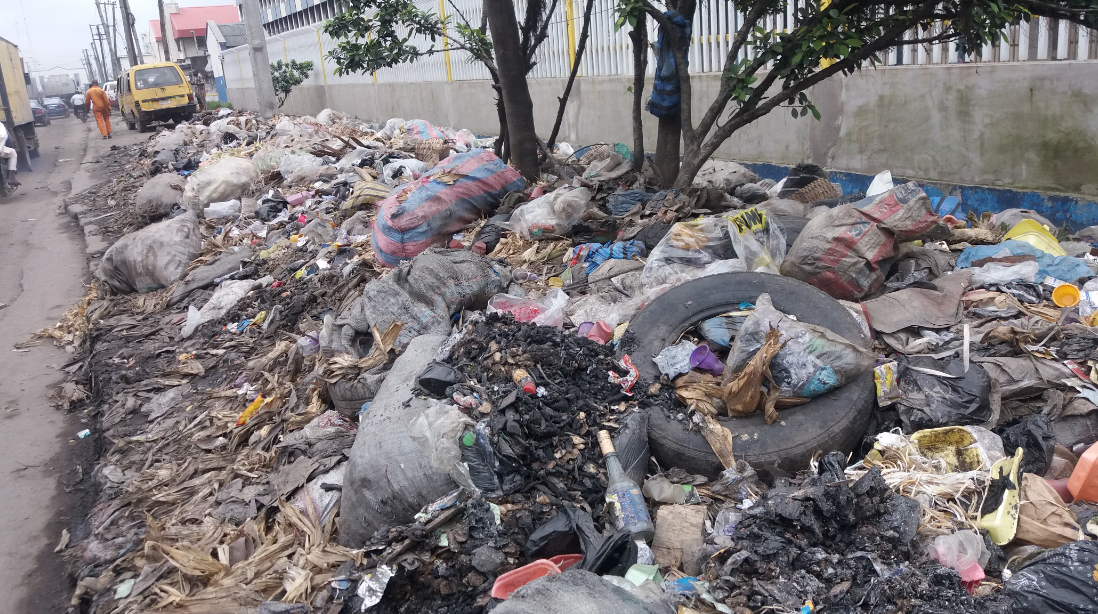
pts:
[51, 34]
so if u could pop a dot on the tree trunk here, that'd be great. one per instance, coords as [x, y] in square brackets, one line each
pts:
[639, 35]
[516, 93]
[667, 149]
[691, 164]
[501, 112]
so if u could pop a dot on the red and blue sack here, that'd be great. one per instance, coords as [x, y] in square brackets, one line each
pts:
[459, 190]
[422, 129]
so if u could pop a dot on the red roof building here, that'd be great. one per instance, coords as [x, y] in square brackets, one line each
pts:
[187, 32]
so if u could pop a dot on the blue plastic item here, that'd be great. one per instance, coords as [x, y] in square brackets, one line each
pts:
[1064, 268]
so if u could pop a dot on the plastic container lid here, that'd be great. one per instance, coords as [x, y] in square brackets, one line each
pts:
[1036, 235]
[508, 583]
[1065, 295]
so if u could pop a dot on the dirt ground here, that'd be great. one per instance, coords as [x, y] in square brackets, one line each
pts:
[44, 467]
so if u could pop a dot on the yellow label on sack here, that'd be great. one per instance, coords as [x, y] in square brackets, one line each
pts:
[749, 221]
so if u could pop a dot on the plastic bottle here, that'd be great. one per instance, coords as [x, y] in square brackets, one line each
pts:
[522, 379]
[1083, 484]
[624, 496]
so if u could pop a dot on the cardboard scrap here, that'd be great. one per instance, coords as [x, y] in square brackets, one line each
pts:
[679, 540]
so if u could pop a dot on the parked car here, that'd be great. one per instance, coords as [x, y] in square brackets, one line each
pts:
[41, 116]
[112, 93]
[56, 107]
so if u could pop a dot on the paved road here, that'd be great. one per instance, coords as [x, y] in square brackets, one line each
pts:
[43, 270]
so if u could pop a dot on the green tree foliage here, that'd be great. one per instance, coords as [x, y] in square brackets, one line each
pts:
[765, 69]
[288, 75]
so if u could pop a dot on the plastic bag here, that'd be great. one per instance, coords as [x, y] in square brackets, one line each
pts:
[1034, 435]
[758, 240]
[228, 208]
[224, 298]
[403, 171]
[547, 311]
[226, 179]
[1003, 273]
[687, 249]
[936, 394]
[437, 431]
[153, 257]
[964, 552]
[674, 360]
[1064, 268]
[551, 215]
[1060, 580]
[812, 361]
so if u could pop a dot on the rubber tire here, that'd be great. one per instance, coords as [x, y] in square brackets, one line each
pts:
[141, 125]
[833, 421]
[130, 123]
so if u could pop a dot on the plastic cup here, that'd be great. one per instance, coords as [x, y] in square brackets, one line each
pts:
[702, 358]
[1065, 295]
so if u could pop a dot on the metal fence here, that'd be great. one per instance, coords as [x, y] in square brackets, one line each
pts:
[610, 51]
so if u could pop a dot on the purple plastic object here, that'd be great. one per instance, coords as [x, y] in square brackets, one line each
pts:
[702, 358]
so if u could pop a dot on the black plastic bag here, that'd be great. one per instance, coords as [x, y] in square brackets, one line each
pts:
[270, 207]
[437, 377]
[1058, 581]
[570, 531]
[613, 557]
[801, 176]
[631, 444]
[1034, 435]
[489, 475]
[937, 394]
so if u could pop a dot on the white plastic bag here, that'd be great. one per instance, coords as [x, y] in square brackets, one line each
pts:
[674, 360]
[880, 184]
[963, 551]
[295, 165]
[226, 179]
[547, 311]
[391, 127]
[1004, 273]
[436, 432]
[228, 208]
[227, 295]
[403, 171]
[687, 249]
[758, 240]
[551, 215]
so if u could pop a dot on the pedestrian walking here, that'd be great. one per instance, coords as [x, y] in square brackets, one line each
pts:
[198, 82]
[100, 104]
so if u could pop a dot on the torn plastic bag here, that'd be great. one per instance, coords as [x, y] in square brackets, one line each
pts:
[547, 311]
[758, 240]
[569, 531]
[153, 257]
[937, 394]
[437, 377]
[845, 251]
[1004, 273]
[228, 208]
[436, 432]
[428, 211]
[1059, 581]
[227, 295]
[614, 556]
[550, 216]
[295, 168]
[721, 329]
[403, 171]
[1034, 435]
[491, 475]
[812, 359]
[964, 552]
[631, 443]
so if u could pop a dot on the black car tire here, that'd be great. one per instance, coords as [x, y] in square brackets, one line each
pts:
[130, 122]
[141, 124]
[833, 421]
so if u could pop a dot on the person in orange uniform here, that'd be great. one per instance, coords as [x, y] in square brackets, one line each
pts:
[96, 100]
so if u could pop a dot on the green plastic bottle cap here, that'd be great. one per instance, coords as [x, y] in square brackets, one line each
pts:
[468, 439]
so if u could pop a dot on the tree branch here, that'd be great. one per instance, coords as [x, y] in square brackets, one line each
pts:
[581, 46]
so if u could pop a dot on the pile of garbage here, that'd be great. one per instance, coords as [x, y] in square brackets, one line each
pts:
[335, 366]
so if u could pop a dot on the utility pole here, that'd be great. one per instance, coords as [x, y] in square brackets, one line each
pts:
[261, 64]
[88, 69]
[164, 32]
[98, 57]
[109, 33]
[128, 22]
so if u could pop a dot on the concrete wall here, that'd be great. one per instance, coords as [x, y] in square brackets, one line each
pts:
[1031, 126]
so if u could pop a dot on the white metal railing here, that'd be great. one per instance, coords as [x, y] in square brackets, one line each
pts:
[610, 52]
